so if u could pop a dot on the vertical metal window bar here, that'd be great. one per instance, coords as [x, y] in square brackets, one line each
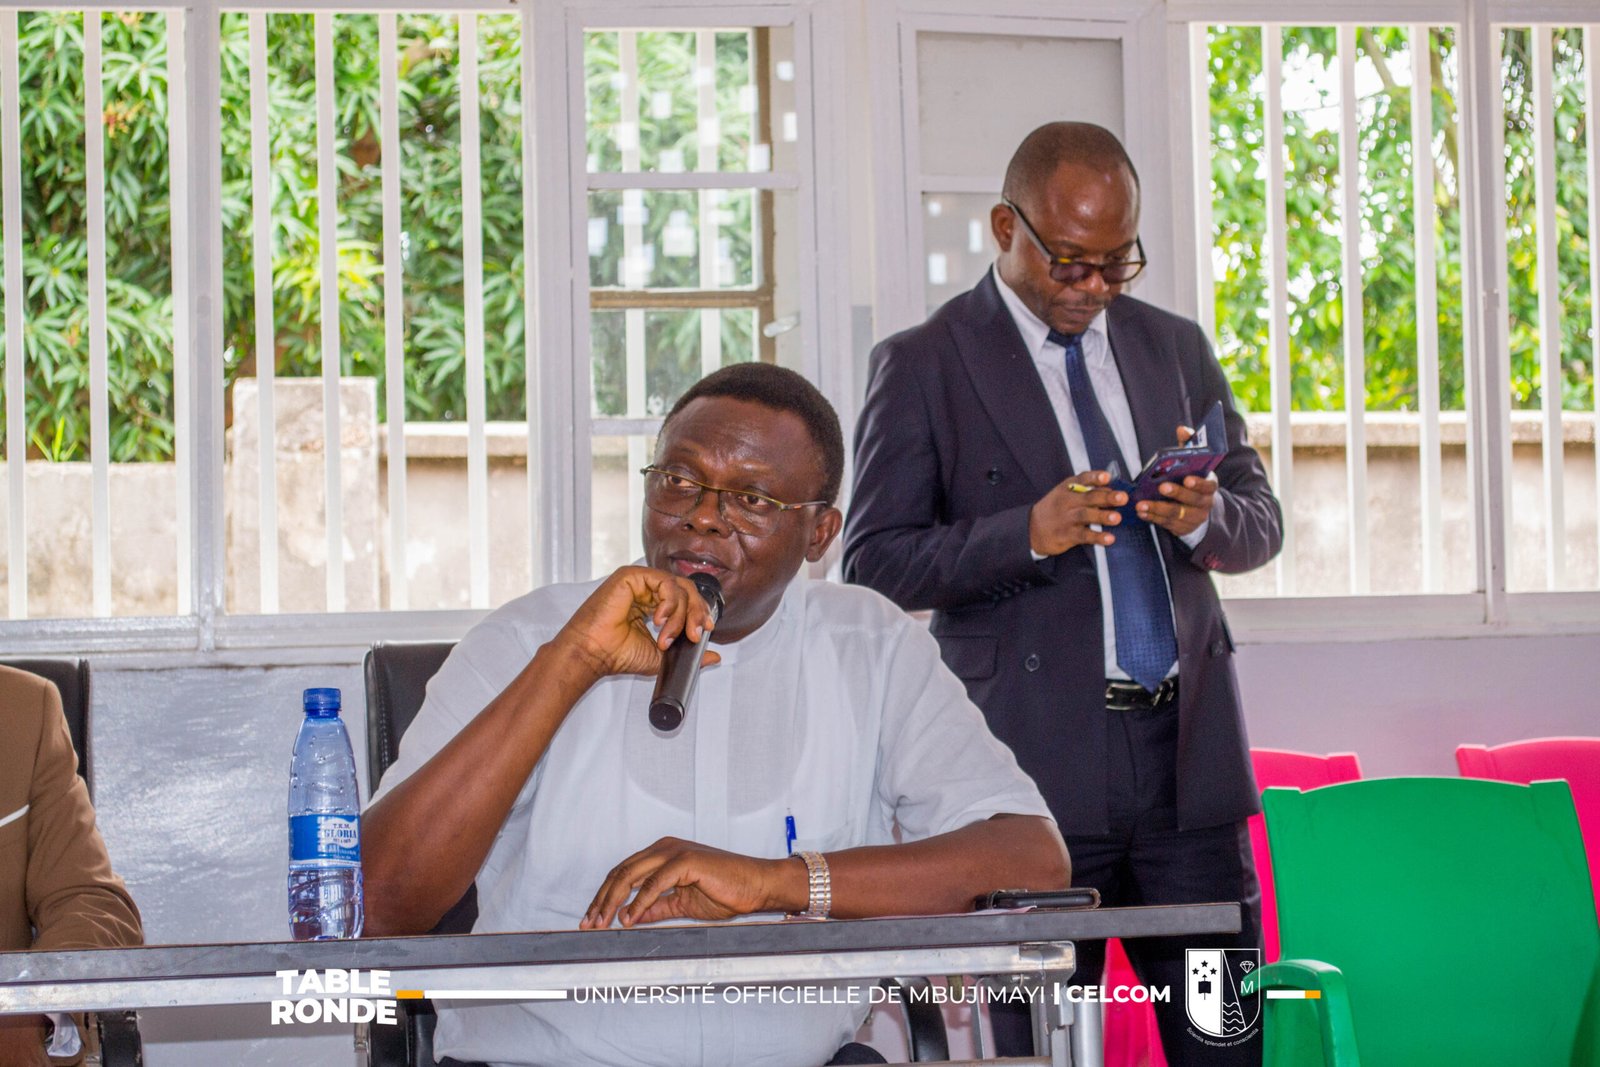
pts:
[1200, 136]
[1355, 365]
[544, 514]
[633, 274]
[1591, 104]
[328, 238]
[15, 301]
[394, 365]
[1422, 180]
[1541, 45]
[182, 383]
[472, 264]
[766, 224]
[1277, 298]
[99, 388]
[709, 137]
[266, 341]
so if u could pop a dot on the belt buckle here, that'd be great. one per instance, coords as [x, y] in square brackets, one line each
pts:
[1131, 696]
[1124, 696]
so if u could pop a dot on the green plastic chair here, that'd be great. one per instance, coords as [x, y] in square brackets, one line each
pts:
[1440, 921]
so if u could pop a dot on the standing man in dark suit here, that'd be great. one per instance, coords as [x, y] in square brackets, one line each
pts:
[1086, 628]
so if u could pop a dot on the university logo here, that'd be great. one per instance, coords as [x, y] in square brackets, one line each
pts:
[1215, 976]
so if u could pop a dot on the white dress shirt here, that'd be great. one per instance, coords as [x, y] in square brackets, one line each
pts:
[1049, 359]
[838, 711]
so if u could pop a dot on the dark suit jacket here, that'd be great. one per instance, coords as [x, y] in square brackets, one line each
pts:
[955, 444]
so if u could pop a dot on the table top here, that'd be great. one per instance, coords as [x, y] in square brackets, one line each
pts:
[788, 951]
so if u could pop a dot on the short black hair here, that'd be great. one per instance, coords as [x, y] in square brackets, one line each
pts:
[1046, 149]
[780, 389]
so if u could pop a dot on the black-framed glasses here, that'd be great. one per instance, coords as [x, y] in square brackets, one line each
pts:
[1070, 270]
[745, 511]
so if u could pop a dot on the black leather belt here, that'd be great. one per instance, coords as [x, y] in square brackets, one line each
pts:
[1131, 696]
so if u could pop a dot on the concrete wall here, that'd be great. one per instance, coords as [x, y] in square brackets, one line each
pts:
[144, 539]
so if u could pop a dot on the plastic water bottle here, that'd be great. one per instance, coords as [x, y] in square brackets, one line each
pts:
[324, 826]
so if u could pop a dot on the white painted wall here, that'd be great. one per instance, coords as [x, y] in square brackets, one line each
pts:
[192, 787]
[192, 773]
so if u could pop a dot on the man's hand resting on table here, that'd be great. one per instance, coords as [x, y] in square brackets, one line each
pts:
[683, 880]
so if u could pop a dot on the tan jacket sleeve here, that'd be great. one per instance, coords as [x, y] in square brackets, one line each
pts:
[73, 898]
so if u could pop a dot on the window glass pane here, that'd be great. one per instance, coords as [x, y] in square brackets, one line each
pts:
[1532, 567]
[433, 276]
[673, 239]
[964, 133]
[616, 499]
[1320, 510]
[960, 245]
[56, 437]
[677, 346]
[675, 100]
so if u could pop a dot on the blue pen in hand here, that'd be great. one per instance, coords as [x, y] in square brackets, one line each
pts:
[788, 833]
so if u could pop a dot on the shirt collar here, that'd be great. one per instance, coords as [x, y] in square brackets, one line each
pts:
[1035, 332]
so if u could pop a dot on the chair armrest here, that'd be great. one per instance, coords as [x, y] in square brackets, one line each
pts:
[1331, 1002]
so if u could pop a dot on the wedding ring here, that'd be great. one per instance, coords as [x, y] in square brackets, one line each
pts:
[1181, 510]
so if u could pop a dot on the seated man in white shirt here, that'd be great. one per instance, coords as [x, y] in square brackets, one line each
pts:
[533, 770]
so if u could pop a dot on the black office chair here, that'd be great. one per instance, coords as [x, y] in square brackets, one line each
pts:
[120, 1044]
[397, 675]
[396, 680]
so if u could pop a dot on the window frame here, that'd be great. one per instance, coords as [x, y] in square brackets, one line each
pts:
[1164, 103]
[1493, 609]
[558, 400]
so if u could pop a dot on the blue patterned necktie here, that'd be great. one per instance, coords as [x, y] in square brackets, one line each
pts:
[1147, 646]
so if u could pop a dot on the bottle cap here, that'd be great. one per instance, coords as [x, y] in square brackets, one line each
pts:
[324, 701]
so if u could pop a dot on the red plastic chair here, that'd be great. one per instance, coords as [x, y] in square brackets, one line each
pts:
[1131, 1036]
[1293, 770]
[1576, 759]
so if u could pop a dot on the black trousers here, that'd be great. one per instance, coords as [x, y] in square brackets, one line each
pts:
[1146, 859]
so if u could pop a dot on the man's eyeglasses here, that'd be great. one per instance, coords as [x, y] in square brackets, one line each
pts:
[755, 514]
[1070, 270]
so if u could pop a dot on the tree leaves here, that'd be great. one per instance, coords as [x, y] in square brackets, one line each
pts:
[1388, 259]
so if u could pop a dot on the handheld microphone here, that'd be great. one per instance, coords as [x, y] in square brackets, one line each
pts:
[680, 663]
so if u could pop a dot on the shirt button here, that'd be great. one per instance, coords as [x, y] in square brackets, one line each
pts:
[994, 476]
[1031, 663]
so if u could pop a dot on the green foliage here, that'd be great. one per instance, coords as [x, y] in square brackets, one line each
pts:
[138, 205]
[139, 327]
[432, 272]
[55, 247]
[1312, 191]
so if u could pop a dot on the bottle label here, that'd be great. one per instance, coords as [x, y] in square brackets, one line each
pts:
[325, 837]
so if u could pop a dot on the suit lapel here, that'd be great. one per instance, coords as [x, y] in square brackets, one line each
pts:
[1153, 383]
[1003, 376]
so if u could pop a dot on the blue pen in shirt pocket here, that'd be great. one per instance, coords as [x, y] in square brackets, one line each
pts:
[788, 834]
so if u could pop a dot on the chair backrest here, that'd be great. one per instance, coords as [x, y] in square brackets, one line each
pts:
[71, 678]
[1459, 911]
[1296, 770]
[1574, 759]
[397, 675]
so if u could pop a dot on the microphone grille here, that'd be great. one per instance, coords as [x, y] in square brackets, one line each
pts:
[711, 592]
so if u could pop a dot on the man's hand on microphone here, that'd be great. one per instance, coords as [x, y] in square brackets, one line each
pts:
[1065, 517]
[610, 632]
[679, 879]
